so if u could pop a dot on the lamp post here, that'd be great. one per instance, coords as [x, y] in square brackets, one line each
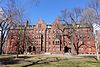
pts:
[96, 29]
[96, 45]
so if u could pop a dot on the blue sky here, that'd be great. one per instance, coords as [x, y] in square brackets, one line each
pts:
[48, 10]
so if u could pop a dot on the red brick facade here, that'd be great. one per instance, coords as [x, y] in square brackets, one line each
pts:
[41, 38]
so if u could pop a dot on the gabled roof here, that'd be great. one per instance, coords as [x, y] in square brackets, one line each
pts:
[56, 21]
[40, 21]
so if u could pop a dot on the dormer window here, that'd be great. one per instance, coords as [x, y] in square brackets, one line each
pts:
[39, 26]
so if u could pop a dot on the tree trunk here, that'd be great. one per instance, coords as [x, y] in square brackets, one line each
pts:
[1, 45]
[1, 42]
[77, 51]
[72, 42]
[17, 51]
[77, 48]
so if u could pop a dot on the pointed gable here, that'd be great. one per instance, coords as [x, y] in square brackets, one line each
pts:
[56, 21]
[57, 24]
[40, 24]
[40, 21]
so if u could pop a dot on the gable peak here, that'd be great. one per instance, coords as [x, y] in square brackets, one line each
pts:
[40, 21]
[57, 21]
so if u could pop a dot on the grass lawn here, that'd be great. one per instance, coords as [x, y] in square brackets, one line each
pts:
[67, 62]
[6, 56]
[80, 62]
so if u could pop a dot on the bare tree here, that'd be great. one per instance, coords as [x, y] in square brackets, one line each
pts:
[91, 16]
[5, 25]
[65, 16]
[88, 16]
[11, 17]
[94, 9]
[72, 21]
[95, 4]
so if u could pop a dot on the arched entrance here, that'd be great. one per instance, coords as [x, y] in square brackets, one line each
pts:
[67, 49]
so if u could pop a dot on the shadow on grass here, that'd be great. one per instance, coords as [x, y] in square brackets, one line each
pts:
[12, 60]
[90, 57]
[7, 61]
[35, 63]
[96, 62]
[45, 61]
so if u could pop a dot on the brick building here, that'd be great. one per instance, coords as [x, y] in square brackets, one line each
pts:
[53, 38]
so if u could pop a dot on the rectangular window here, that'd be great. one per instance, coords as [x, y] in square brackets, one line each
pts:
[57, 26]
[33, 39]
[57, 36]
[53, 42]
[57, 42]
[39, 26]
[49, 42]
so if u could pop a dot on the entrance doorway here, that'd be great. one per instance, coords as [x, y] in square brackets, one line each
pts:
[29, 49]
[67, 49]
[34, 49]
